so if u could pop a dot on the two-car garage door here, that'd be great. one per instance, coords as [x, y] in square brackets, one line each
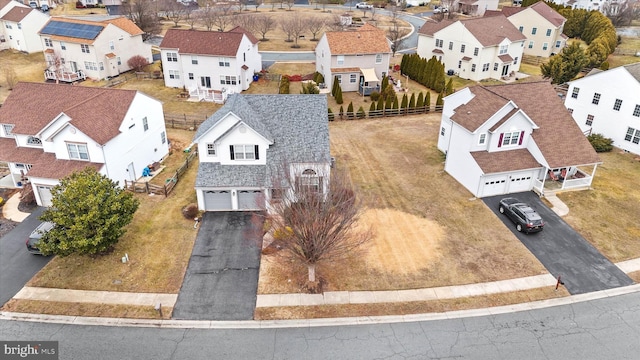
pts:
[222, 200]
[505, 184]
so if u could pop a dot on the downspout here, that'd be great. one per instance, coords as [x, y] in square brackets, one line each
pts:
[106, 168]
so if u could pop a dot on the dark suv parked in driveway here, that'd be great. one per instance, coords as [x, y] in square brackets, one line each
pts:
[524, 216]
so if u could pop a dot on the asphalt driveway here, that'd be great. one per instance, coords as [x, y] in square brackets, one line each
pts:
[563, 251]
[17, 265]
[221, 282]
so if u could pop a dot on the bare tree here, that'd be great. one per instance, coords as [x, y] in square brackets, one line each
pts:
[144, 14]
[373, 10]
[273, 4]
[621, 13]
[396, 35]
[334, 23]
[314, 225]
[174, 11]
[206, 16]
[189, 16]
[54, 63]
[293, 26]
[222, 20]
[315, 25]
[263, 24]
[289, 3]
[137, 62]
[286, 25]
[257, 4]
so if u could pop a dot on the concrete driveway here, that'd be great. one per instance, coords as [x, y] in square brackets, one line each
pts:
[17, 265]
[563, 251]
[221, 282]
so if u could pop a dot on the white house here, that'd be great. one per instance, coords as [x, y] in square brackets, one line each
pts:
[475, 7]
[359, 59]
[608, 103]
[476, 48]
[210, 64]
[247, 146]
[542, 26]
[78, 48]
[48, 131]
[511, 138]
[20, 26]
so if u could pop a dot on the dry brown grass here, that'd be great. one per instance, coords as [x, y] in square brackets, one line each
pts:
[85, 309]
[69, 8]
[607, 216]
[423, 218]
[158, 241]
[418, 307]
[27, 67]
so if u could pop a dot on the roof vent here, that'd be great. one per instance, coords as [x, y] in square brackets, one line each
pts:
[468, 112]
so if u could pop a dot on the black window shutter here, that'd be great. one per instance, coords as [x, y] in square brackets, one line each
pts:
[256, 151]
[233, 155]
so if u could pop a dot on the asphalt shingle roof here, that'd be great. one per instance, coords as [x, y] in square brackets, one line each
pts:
[17, 14]
[214, 43]
[489, 31]
[366, 40]
[297, 124]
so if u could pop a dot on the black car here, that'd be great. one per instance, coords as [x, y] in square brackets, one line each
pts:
[34, 238]
[527, 220]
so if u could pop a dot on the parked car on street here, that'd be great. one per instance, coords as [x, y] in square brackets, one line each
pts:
[364, 5]
[34, 238]
[438, 10]
[527, 220]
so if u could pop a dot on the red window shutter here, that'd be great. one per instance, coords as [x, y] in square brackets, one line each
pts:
[500, 140]
[521, 138]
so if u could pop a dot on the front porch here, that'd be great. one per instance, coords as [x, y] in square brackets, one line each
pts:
[64, 76]
[580, 179]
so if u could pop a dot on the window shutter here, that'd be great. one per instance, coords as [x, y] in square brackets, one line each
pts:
[320, 185]
[256, 151]
[500, 140]
[521, 138]
[233, 155]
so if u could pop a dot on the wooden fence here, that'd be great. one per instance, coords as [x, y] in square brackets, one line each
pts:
[169, 184]
[183, 121]
[386, 113]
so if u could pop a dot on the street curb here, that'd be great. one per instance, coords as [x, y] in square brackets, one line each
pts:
[345, 321]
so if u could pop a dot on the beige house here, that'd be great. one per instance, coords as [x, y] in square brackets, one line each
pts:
[541, 25]
[358, 58]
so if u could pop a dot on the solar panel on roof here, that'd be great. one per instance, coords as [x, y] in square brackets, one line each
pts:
[80, 31]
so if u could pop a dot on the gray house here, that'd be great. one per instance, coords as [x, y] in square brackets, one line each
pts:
[254, 142]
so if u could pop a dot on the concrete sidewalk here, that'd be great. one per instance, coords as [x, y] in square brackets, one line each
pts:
[100, 297]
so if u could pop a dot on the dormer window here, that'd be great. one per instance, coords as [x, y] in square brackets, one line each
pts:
[244, 152]
[7, 129]
[32, 140]
[78, 151]
[511, 138]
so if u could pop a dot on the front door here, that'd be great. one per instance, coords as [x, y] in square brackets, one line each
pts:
[505, 70]
[132, 172]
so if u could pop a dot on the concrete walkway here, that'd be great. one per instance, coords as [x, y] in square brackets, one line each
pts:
[10, 209]
[100, 297]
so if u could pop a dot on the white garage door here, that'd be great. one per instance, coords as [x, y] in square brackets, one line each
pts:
[520, 182]
[45, 195]
[250, 200]
[217, 200]
[495, 185]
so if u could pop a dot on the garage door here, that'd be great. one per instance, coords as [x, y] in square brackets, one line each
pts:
[217, 200]
[250, 200]
[494, 186]
[45, 195]
[519, 183]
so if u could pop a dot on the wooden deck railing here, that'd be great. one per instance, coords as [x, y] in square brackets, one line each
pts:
[169, 184]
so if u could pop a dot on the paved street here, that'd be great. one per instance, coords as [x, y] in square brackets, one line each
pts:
[221, 282]
[563, 251]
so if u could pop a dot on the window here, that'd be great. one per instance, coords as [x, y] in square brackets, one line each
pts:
[340, 59]
[442, 131]
[495, 66]
[277, 195]
[633, 135]
[617, 105]
[589, 120]
[78, 151]
[534, 31]
[504, 49]
[545, 46]
[476, 51]
[101, 66]
[48, 43]
[521, 28]
[163, 137]
[574, 93]
[459, 64]
[439, 43]
[485, 67]
[558, 43]
[63, 45]
[473, 67]
[172, 57]
[211, 150]
[205, 81]
[352, 78]
[531, 44]
[190, 76]
[228, 80]
[194, 60]
[174, 74]
[596, 99]
[119, 61]
[8, 26]
[378, 58]
[7, 129]
[244, 152]
[309, 181]
[462, 48]
[84, 48]
[482, 139]
[570, 110]
[510, 138]
[339, 78]
[450, 45]
[636, 111]
[145, 123]
[111, 45]
[90, 65]
[548, 32]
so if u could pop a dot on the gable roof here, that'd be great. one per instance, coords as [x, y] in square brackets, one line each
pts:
[214, 43]
[17, 14]
[558, 137]
[366, 40]
[240, 29]
[298, 136]
[489, 31]
[126, 25]
[548, 13]
[96, 28]
[97, 112]
[634, 70]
